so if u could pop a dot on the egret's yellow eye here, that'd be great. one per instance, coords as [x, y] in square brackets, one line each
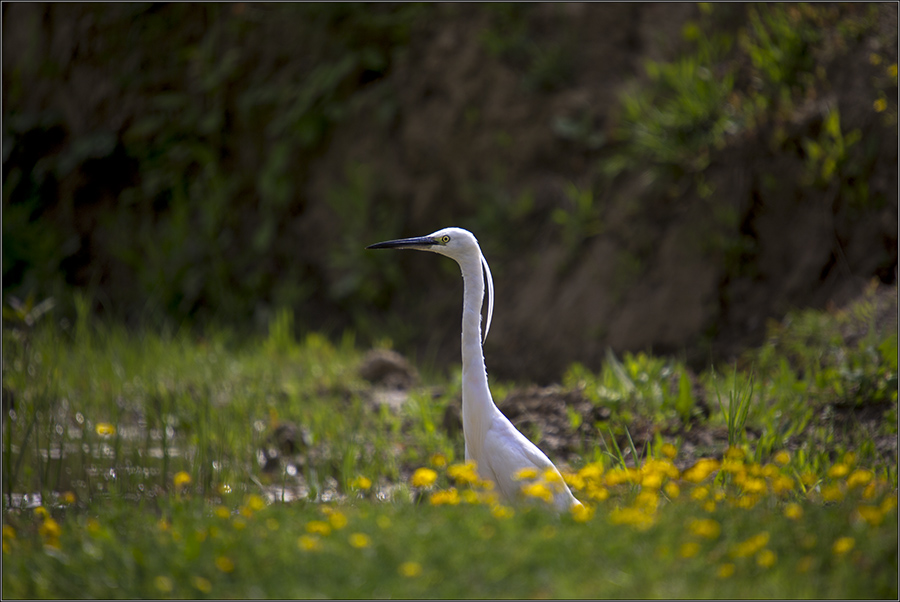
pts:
[445, 239]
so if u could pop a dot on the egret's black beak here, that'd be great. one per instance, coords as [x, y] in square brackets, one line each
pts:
[419, 242]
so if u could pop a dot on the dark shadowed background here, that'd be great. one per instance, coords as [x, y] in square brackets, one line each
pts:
[659, 177]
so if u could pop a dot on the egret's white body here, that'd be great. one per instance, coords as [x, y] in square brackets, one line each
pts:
[497, 447]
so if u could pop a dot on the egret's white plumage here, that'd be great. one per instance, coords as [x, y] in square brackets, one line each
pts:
[497, 447]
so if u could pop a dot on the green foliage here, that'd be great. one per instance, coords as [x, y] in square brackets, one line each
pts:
[740, 398]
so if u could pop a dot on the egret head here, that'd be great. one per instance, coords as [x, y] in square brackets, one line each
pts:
[455, 243]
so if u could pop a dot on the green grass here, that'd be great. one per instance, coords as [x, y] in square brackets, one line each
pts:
[146, 450]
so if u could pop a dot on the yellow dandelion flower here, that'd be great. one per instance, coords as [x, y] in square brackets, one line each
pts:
[93, 526]
[50, 529]
[860, 477]
[318, 527]
[201, 583]
[647, 499]
[766, 558]
[751, 546]
[224, 564]
[470, 496]
[41, 512]
[501, 511]
[463, 474]
[438, 460]
[709, 506]
[699, 493]
[783, 458]
[309, 543]
[892, 70]
[735, 453]
[238, 523]
[105, 429]
[701, 470]
[838, 470]
[551, 475]
[754, 485]
[889, 504]
[222, 512]
[538, 490]
[809, 478]
[410, 569]
[592, 471]
[575, 481]
[793, 511]
[849, 458]
[598, 493]
[668, 450]
[361, 482]
[652, 480]
[842, 545]
[832, 493]
[360, 540]
[582, 513]
[880, 104]
[423, 477]
[9, 532]
[255, 502]
[725, 570]
[672, 490]
[705, 527]
[163, 584]
[634, 517]
[338, 520]
[181, 479]
[68, 498]
[689, 549]
[746, 502]
[782, 484]
[525, 474]
[449, 497]
[870, 514]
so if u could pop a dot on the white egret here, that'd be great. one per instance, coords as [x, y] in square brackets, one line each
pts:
[499, 450]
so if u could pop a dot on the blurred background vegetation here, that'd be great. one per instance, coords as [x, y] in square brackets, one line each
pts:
[641, 176]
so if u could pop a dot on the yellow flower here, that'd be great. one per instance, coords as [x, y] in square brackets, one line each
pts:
[832, 493]
[410, 569]
[338, 520]
[224, 564]
[525, 474]
[105, 429]
[843, 545]
[438, 460]
[892, 70]
[222, 512]
[783, 458]
[582, 513]
[725, 570]
[9, 532]
[163, 584]
[652, 480]
[449, 496]
[699, 493]
[751, 546]
[181, 479]
[735, 453]
[598, 493]
[423, 477]
[874, 58]
[689, 549]
[202, 583]
[701, 469]
[50, 529]
[592, 471]
[766, 558]
[318, 527]
[68, 498]
[870, 514]
[705, 527]
[93, 526]
[781, 484]
[41, 512]
[793, 511]
[860, 477]
[538, 490]
[754, 485]
[668, 450]
[463, 474]
[631, 516]
[672, 490]
[360, 540]
[309, 542]
[838, 470]
[501, 511]
[880, 104]
[361, 482]
[574, 480]
[551, 475]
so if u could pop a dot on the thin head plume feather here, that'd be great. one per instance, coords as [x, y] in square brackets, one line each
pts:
[490, 288]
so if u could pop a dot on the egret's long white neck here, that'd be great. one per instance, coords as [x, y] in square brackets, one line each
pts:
[477, 404]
